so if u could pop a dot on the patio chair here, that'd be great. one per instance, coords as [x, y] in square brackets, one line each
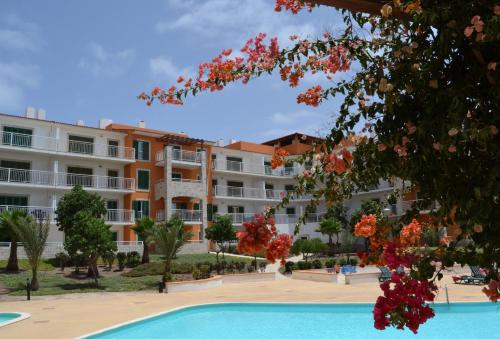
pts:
[476, 277]
[385, 274]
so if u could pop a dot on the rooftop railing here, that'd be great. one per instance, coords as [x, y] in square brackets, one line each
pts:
[44, 143]
[253, 168]
[45, 178]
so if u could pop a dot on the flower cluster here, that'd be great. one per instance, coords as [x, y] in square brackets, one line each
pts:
[338, 162]
[410, 234]
[279, 157]
[312, 97]
[292, 5]
[477, 25]
[493, 289]
[366, 227]
[279, 248]
[256, 234]
[404, 302]
[260, 234]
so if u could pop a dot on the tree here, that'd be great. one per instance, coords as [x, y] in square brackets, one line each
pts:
[78, 200]
[426, 88]
[34, 236]
[90, 237]
[221, 232]
[169, 237]
[8, 223]
[143, 228]
[330, 227]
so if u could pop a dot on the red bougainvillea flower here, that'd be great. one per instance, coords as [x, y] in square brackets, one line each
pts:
[493, 289]
[366, 227]
[404, 302]
[256, 234]
[410, 234]
[292, 5]
[279, 157]
[312, 97]
[279, 248]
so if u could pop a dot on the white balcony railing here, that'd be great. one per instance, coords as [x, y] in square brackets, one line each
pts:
[48, 213]
[420, 205]
[188, 156]
[39, 142]
[45, 178]
[188, 215]
[160, 215]
[248, 192]
[254, 168]
[239, 218]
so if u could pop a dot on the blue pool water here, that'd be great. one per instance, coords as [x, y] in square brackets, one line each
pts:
[306, 321]
[4, 317]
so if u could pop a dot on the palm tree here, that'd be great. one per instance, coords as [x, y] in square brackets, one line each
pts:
[330, 227]
[143, 228]
[169, 237]
[8, 221]
[34, 236]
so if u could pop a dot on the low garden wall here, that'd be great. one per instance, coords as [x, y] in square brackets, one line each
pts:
[314, 275]
[248, 277]
[347, 279]
[194, 248]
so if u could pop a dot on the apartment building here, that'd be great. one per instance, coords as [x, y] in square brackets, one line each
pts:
[146, 172]
[41, 160]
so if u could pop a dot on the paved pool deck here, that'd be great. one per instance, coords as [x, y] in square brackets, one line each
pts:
[72, 315]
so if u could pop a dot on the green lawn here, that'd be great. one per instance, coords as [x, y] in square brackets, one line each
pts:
[60, 283]
[45, 265]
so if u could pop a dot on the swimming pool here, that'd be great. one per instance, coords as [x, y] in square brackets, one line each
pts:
[294, 321]
[11, 317]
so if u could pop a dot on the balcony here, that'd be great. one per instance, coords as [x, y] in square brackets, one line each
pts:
[189, 157]
[419, 204]
[113, 216]
[248, 193]
[16, 177]
[73, 148]
[254, 169]
[291, 219]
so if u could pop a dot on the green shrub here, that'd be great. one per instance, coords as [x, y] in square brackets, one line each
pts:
[62, 259]
[133, 259]
[289, 266]
[304, 265]
[240, 266]
[156, 268]
[317, 264]
[78, 260]
[122, 258]
[203, 272]
[250, 269]
[330, 263]
[109, 258]
[342, 261]
[353, 261]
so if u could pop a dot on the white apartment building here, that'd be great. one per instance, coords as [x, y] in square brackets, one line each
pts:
[41, 160]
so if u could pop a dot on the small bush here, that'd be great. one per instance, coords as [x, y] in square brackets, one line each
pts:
[62, 260]
[342, 261]
[109, 259]
[203, 272]
[353, 261]
[289, 266]
[240, 266]
[304, 265]
[262, 266]
[122, 258]
[78, 260]
[317, 264]
[250, 269]
[330, 263]
[133, 259]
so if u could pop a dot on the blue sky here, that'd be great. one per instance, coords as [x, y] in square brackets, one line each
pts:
[89, 60]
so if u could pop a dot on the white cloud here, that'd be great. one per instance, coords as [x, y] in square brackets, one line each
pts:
[302, 121]
[163, 67]
[232, 21]
[15, 78]
[17, 34]
[102, 62]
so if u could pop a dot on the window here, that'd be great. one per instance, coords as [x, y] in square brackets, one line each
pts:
[17, 136]
[141, 208]
[113, 148]
[290, 211]
[176, 152]
[235, 209]
[77, 144]
[13, 200]
[114, 236]
[288, 188]
[196, 206]
[112, 213]
[176, 176]
[235, 189]
[211, 211]
[113, 181]
[15, 171]
[141, 150]
[267, 167]
[234, 164]
[179, 206]
[214, 161]
[288, 169]
[142, 179]
[80, 176]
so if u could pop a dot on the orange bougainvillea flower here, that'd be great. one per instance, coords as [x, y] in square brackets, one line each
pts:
[410, 234]
[366, 227]
[279, 157]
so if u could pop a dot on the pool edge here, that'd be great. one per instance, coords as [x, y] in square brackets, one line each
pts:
[110, 328]
[22, 316]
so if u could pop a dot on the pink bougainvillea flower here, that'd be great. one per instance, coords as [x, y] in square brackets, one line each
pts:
[452, 149]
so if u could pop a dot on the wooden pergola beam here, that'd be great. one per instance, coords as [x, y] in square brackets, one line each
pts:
[365, 6]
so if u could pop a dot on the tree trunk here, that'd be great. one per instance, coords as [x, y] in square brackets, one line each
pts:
[12, 265]
[255, 262]
[145, 254]
[217, 261]
[166, 270]
[34, 280]
[330, 244]
[337, 242]
[93, 271]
